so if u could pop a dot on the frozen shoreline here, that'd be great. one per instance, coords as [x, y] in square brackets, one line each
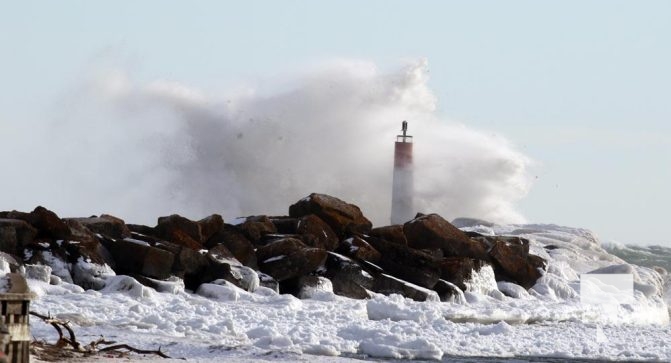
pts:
[547, 323]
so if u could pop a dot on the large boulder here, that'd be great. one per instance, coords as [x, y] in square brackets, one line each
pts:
[406, 263]
[15, 234]
[344, 218]
[348, 277]
[236, 242]
[512, 262]
[48, 224]
[285, 225]
[358, 249]
[393, 233]
[86, 245]
[289, 258]
[138, 257]
[387, 284]
[255, 227]
[448, 292]
[316, 233]
[224, 265]
[209, 226]
[180, 230]
[433, 232]
[459, 270]
[106, 225]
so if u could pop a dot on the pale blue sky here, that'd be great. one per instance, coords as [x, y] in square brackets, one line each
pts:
[582, 87]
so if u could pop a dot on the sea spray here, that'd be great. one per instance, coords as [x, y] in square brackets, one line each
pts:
[139, 149]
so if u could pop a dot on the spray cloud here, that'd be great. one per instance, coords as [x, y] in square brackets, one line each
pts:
[144, 150]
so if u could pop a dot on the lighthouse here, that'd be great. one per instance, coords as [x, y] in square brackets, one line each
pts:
[402, 209]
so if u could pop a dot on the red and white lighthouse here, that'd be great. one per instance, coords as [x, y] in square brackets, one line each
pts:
[402, 209]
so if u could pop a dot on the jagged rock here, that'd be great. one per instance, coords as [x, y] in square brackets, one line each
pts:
[141, 229]
[180, 230]
[255, 227]
[14, 235]
[348, 277]
[209, 226]
[344, 218]
[387, 284]
[432, 231]
[285, 225]
[48, 224]
[191, 265]
[448, 292]
[106, 225]
[147, 238]
[158, 263]
[459, 270]
[359, 249]
[407, 263]
[288, 258]
[224, 266]
[237, 243]
[393, 233]
[138, 257]
[522, 268]
[280, 247]
[83, 243]
[316, 233]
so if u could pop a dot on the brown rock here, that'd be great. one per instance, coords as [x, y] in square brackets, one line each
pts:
[407, 263]
[180, 230]
[448, 292]
[386, 284]
[83, 243]
[285, 225]
[14, 235]
[237, 243]
[348, 277]
[209, 226]
[157, 263]
[522, 268]
[106, 225]
[432, 231]
[344, 218]
[288, 258]
[316, 233]
[48, 224]
[392, 234]
[458, 270]
[281, 247]
[132, 256]
[141, 229]
[357, 248]
[254, 228]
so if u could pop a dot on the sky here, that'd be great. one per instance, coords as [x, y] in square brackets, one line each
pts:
[580, 88]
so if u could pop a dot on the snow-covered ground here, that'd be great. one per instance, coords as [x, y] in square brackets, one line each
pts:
[221, 321]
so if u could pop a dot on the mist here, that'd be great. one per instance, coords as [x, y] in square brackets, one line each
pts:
[140, 150]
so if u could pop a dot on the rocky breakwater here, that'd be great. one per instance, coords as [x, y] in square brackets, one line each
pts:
[323, 243]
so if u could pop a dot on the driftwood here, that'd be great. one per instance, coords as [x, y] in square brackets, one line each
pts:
[94, 346]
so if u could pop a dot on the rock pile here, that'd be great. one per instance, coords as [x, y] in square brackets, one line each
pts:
[324, 241]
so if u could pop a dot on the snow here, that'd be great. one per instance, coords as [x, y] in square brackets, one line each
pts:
[223, 322]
